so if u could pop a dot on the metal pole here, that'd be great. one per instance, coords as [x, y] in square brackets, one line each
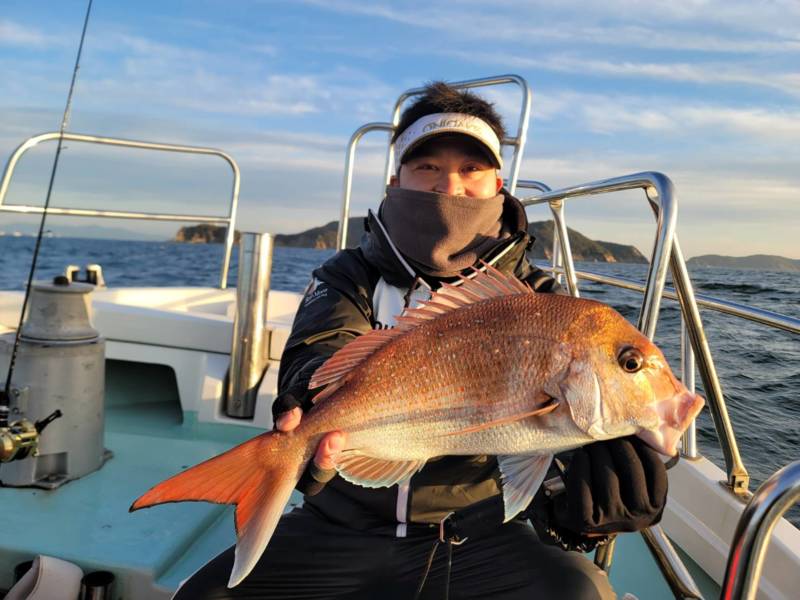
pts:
[757, 315]
[738, 479]
[341, 232]
[749, 547]
[249, 348]
[667, 255]
[561, 233]
[689, 439]
[661, 194]
[675, 572]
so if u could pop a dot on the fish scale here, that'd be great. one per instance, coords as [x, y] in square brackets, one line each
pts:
[460, 388]
[487, 367]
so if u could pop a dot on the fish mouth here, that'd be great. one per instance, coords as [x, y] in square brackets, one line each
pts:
[676, 414]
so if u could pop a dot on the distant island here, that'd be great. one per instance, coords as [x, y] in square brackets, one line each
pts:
[324, 237]
[203, 234]
[762, 262]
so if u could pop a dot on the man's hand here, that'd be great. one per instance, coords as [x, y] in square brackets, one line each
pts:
[330, 445]
[287, 413]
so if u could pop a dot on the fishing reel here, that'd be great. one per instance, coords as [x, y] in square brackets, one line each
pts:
[20, 439]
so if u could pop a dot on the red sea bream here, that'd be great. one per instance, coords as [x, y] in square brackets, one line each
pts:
[484, 367]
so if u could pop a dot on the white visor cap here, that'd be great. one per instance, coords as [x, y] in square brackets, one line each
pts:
[447, 123]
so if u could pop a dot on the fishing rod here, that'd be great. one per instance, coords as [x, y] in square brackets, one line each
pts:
[5, 393]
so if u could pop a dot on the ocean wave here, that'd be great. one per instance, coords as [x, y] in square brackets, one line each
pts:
[738, 288]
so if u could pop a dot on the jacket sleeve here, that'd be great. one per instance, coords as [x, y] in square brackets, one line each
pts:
[326, 320]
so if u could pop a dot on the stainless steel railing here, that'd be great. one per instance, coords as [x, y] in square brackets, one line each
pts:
[757, 315]
[666, 255]
[516, 142]
[117, 214]
[349, 163]
[659, 192]
[749, 546]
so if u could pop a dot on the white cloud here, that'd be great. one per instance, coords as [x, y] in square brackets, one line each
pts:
[603, 113]
[16, 34]
[136, 71]
[716, 26]
[702, 73]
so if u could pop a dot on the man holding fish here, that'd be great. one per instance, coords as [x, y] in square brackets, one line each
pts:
[431, 370]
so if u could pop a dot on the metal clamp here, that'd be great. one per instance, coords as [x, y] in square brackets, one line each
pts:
[447, 531]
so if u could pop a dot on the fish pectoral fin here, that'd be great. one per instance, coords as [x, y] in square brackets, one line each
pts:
[371, 472]
[548, 407]
[521, 477]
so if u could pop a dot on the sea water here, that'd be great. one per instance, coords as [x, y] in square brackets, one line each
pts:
[758, 367]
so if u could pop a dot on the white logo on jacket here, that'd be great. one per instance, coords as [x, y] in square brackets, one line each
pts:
[389, 302]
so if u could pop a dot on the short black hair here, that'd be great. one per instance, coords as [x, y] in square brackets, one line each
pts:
[439, 97]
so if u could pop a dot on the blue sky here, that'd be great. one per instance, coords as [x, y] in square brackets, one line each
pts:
[707, 92]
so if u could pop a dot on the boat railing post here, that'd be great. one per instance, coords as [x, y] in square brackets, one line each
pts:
[250, 342]
[557, 256]
[677, 576]
[660, 193]
[738, 478]
[561, 234]
[749, 546]
[689, 438]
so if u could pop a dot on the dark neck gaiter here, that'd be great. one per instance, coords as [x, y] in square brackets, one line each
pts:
[439, 234]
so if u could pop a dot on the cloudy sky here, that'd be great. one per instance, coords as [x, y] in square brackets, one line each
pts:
[705, 91]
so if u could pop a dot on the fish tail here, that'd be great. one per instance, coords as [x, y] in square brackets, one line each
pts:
[257, 476]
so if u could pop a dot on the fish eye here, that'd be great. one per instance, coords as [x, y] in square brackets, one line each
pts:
[631, 360]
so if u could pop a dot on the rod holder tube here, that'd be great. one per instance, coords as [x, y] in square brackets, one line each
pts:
[98, 585]
[249, 347]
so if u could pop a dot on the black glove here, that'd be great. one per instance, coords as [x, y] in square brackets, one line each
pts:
[613, 486]
[313, 479]
[285, 402]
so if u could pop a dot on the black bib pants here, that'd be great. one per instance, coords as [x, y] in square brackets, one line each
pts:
[309, 557]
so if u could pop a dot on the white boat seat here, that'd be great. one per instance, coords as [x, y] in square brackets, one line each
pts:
[199, 319]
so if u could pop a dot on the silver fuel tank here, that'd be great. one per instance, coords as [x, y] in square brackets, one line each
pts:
[60, 366]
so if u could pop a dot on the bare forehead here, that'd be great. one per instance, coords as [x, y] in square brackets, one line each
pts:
[449, 144]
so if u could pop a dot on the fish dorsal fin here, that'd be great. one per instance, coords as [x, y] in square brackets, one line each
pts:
[483, 284]
[333, 371]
